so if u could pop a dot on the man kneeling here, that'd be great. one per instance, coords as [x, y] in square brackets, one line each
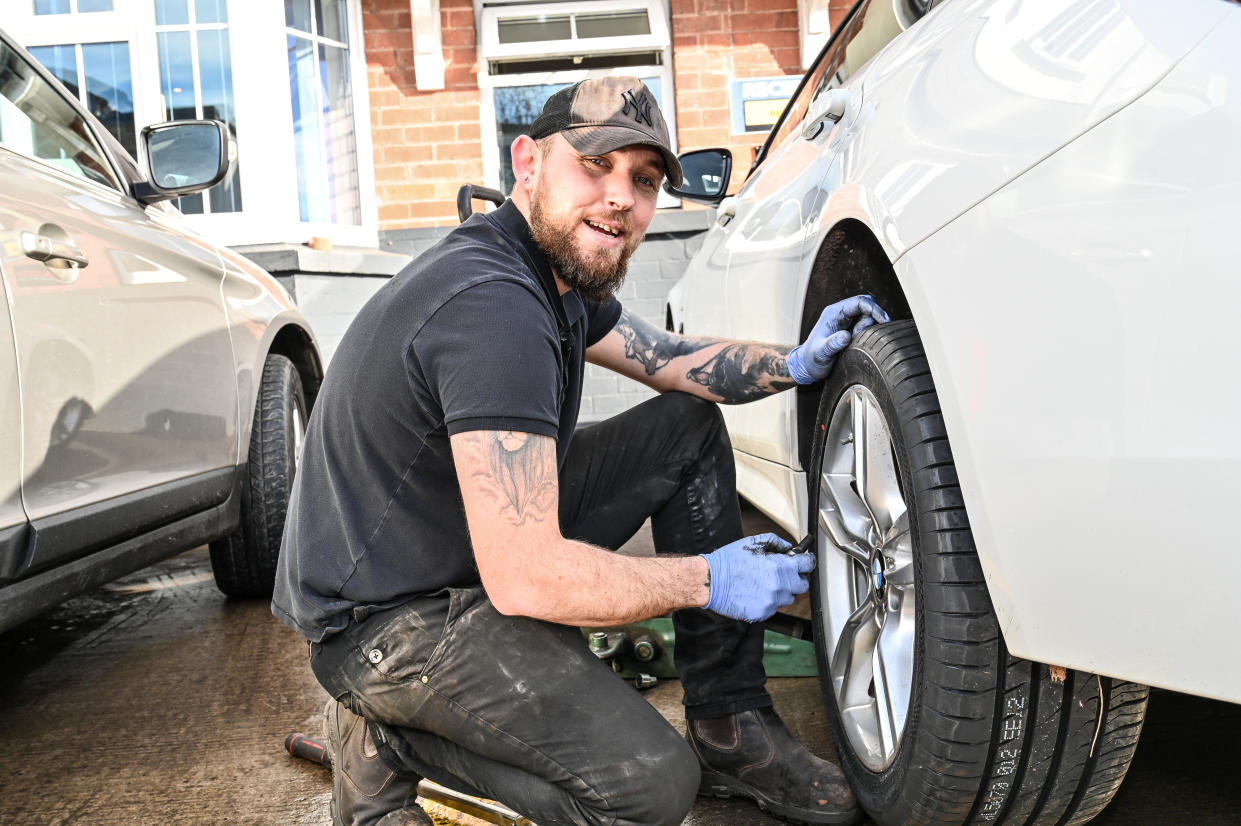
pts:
[449, 529]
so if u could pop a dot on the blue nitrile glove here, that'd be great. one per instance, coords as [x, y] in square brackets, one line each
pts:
[812, 360]
[752, 577]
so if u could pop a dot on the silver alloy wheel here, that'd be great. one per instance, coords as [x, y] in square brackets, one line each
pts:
[866, 578]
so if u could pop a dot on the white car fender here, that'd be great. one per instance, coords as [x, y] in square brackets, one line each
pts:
[964, 203]
[259, 309]
[976, 110]
[1060, 423]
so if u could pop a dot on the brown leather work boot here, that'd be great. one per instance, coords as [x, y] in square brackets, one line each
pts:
[365, 792]
[752, 754]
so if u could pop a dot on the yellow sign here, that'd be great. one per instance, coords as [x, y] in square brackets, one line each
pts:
[757, 102]
[763, 112]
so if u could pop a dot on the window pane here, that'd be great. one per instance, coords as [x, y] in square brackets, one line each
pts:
[533, 29]
[613, 24]
[323, 133]
[62, 62]
[176, 86]
[190, 204]
[94, 5]
[39, 122]
[516, 109]
[518, 106]
[652, 83]
[216, 73]
[297, 14]
[307, 138]
[171, 12]
[51, 6]
[176, 76]
[341, 149]
[109, 89]
[332, 23]
[211, 11]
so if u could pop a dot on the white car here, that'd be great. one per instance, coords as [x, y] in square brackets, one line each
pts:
[154, 387]
[1017, 486]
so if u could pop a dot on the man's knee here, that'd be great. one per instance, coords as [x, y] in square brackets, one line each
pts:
[697, 424]
[682, 776]
[661, 788]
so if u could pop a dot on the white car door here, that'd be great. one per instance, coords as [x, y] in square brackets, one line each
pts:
[123, 353]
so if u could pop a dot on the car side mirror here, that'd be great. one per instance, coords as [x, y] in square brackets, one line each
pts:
[183, 157]
[707, 172]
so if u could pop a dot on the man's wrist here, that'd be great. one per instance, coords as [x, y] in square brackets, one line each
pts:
[703, 577]
[797, 371]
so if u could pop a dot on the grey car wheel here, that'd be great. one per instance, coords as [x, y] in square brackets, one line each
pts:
[866, 578]
[936, 721]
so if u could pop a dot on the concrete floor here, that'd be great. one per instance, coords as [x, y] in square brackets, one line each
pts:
[156, 701]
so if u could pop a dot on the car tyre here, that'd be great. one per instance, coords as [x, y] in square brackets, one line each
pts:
[935, 721]
[244, 563]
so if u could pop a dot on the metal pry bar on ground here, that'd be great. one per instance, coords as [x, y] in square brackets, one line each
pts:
[487, 810]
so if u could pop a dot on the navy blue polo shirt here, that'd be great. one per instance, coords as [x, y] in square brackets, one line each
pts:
[472, 335]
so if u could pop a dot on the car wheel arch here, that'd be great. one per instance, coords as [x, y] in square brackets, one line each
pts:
[296, 344]
[850, 261]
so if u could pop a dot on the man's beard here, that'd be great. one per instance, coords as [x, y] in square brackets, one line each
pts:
[597, 277]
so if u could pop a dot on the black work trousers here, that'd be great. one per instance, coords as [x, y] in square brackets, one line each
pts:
[518, 710]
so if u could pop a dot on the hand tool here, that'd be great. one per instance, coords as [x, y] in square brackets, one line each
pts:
[308, 748]
[800, 548]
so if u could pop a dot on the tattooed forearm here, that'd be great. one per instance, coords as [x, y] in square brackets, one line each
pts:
[519, 474]
[733, 372]
[654, 348]
[744, 372]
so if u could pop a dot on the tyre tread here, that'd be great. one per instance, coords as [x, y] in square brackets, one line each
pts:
[244, 563]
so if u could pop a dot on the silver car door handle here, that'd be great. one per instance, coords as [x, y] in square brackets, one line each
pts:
[830, 106]
[726, 210]
[50, 251]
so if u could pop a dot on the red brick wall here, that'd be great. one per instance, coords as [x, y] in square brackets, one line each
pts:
[426, 143]
[429, 143]
[715, 42]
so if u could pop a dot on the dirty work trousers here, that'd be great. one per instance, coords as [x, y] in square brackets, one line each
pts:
[519, 710]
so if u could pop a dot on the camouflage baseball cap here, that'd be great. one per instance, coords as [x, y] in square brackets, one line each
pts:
[603, 114]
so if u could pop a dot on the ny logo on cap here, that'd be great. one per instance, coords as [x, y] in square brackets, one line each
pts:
[641, 106]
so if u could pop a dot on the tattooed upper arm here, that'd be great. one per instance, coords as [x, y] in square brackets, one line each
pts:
[507, 476]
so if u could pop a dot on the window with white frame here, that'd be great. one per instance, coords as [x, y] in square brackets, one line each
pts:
[71, 6]
[323, 121]
[528, 52]
[304, 166]
[196, 82]
[99, 75]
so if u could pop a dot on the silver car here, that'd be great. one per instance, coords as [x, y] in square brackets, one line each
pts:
[153, 386]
